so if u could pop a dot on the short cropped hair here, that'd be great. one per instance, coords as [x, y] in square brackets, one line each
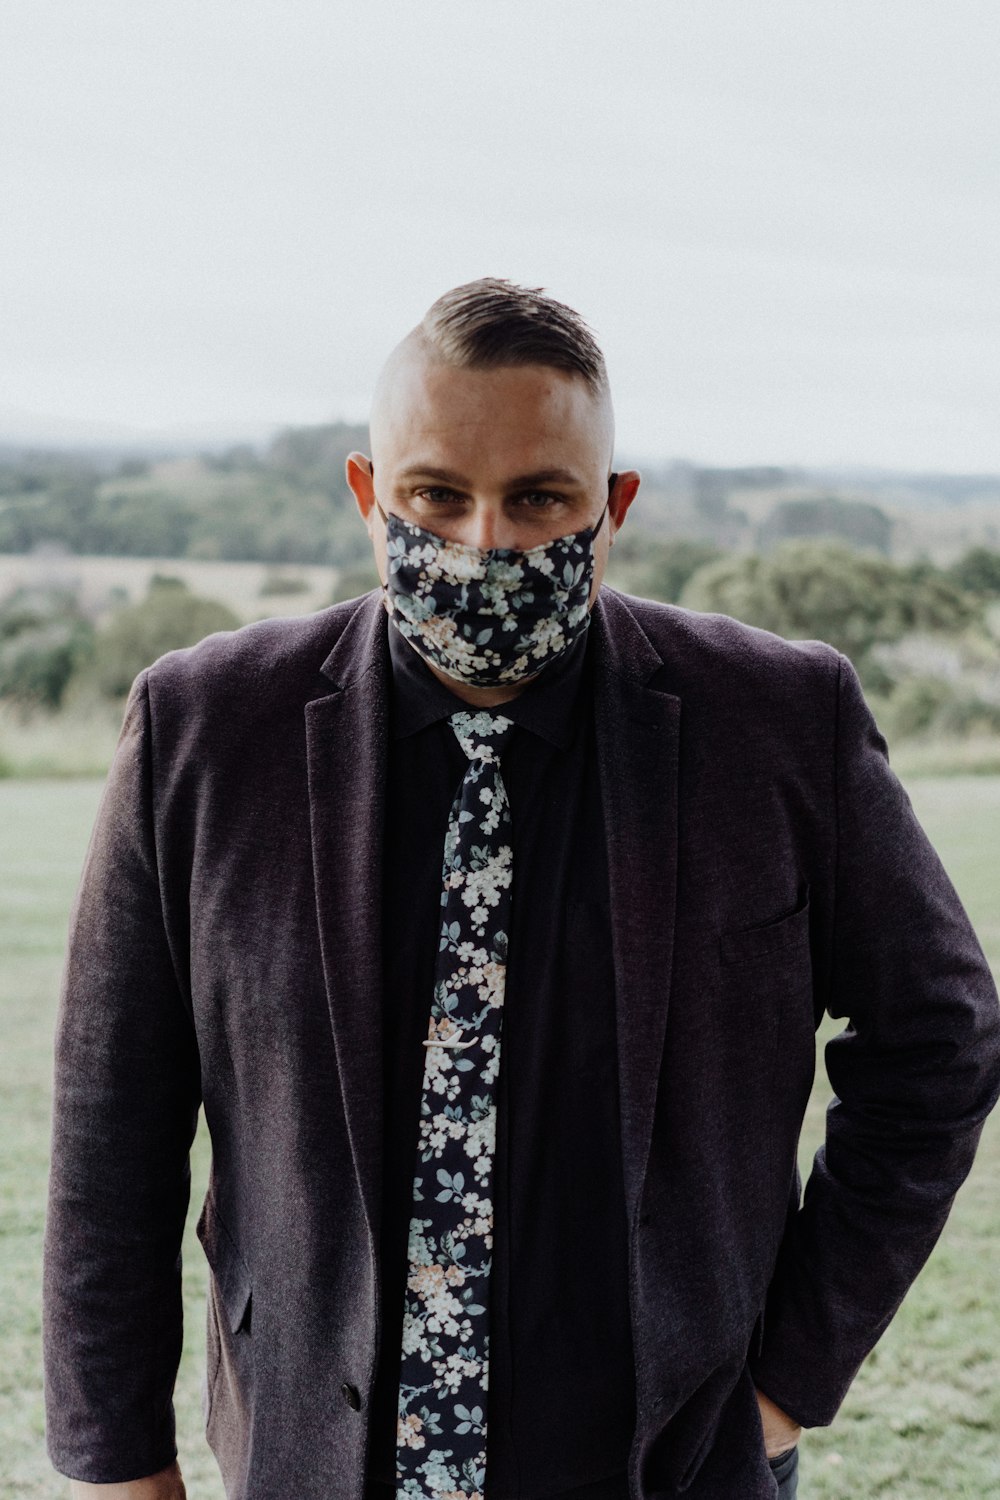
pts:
[492, 322]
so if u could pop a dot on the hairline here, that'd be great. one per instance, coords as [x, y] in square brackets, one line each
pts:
[422, 343]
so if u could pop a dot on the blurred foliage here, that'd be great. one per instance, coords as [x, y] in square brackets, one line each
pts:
[655, 569]
[44, 498]
[915, 704]
[825, 591]
[919, 638]
[169, 617]
[930, 707]
[978, 571]
[920, 634]
[289, 504]
[279, 585]
[853, 522]
[44, 639]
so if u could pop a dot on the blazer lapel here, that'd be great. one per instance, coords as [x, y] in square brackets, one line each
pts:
[346, 744]
[638, 729]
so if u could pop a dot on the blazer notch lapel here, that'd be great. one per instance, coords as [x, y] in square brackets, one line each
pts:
[346, 740]
[638, 739]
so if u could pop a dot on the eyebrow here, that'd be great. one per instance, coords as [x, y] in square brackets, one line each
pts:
[519, 481]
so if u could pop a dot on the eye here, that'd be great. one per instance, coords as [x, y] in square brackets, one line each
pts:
[539, 499]
[437, 495]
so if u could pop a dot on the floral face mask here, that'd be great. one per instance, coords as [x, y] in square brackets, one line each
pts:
[488, 615]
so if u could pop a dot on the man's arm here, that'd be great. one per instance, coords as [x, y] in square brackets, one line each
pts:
[167, 1485]
[915, 1073]
[126, 1098]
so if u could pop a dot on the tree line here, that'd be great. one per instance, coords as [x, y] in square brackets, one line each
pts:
[289, 504]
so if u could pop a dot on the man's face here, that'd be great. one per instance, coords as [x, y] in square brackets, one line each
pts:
[508, 457]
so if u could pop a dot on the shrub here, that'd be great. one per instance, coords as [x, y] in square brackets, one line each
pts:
[44, 639]
[169, 617]
[916, 706]
[657, 569]
[277, 583]
[978, 571]
[849, 521]
[826, 591]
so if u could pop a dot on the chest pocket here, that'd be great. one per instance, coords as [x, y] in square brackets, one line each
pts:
[782, 939]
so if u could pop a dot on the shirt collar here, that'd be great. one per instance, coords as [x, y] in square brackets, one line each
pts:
[549, 707]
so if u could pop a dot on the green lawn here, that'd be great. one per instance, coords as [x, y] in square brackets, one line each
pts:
[923, 1418]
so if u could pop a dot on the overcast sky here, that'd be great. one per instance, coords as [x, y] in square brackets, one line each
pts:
[781, 217]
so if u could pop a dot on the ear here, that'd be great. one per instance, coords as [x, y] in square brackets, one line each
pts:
[626, 487]
[359, 470]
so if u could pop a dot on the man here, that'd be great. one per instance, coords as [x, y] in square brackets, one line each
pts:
[491, 916]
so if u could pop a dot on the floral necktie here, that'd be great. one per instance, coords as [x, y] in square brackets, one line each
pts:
[444, 1372]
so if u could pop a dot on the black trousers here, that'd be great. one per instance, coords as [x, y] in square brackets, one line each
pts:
[785, 1469]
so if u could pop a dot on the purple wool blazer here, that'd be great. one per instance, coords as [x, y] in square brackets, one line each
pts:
[765, 865]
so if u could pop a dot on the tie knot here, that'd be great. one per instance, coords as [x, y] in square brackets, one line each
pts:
[482, 735]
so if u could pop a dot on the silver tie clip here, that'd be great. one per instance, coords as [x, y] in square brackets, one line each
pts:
[454, 1041]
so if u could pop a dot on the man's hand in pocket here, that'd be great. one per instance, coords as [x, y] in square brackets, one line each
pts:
[780, 1432]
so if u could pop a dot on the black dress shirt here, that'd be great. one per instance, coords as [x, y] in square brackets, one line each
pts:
[561, 1400]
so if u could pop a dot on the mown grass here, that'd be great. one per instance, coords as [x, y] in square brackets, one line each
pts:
[921, 1421]
[77, 742]
[44, 828]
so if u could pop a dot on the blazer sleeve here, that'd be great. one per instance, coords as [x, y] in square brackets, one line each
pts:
[126, 1099]
[914, 1073]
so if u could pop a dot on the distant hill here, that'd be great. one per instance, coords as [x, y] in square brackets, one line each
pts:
[22, 430]
[904, 515]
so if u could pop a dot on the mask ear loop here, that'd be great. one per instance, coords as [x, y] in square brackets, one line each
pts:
[385, 518]
[612, 481]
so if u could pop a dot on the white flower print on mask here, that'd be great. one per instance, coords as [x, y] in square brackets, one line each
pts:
[488, 616]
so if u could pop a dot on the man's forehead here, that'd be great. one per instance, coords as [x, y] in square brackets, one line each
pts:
[425, 408]
[414, 374]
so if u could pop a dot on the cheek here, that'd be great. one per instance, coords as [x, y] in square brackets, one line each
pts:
[377, 537]
[600, 563]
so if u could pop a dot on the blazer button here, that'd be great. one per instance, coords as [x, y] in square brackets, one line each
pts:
[351, 1396]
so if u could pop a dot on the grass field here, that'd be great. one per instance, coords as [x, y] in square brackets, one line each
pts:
[923, 1418]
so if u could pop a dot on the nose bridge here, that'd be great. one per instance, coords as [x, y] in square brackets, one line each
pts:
[488, 524]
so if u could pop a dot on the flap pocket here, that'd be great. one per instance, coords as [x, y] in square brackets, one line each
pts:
[231, 1273]
[745, 944]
